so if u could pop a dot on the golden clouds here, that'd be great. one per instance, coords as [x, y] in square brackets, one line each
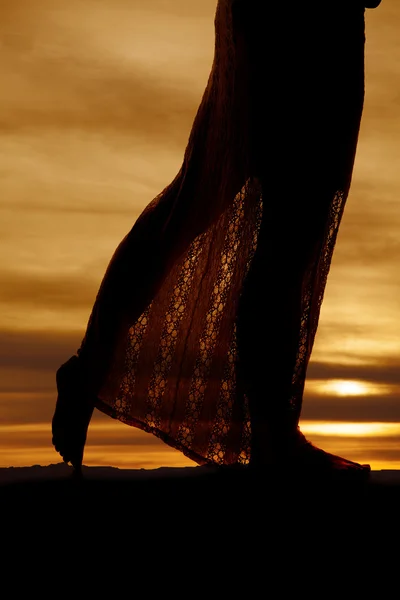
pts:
[96, 106]
[29, 291]
[101, 67]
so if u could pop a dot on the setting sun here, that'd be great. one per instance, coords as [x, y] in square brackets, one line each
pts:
[350, 429]
[348, 387]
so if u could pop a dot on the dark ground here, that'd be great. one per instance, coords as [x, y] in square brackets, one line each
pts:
[196, 521]
[141, 499]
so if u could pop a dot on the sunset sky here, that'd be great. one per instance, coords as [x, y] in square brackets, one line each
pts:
[96, 105]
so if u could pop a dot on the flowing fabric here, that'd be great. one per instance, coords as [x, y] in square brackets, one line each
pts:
[206, 317]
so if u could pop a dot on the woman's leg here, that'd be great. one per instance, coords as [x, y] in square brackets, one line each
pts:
[268, 331]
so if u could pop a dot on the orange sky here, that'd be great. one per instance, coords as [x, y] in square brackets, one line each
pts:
[97, 102]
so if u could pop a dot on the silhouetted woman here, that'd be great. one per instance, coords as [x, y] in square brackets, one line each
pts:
[205, 320]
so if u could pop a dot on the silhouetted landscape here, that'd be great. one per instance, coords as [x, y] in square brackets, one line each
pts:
[203, 500]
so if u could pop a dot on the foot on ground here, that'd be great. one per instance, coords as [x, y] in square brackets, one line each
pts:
[300, 456]
[72, 414]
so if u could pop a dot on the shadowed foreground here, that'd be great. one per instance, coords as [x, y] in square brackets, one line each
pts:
[196, 532]
[193, 534]
[203, 500]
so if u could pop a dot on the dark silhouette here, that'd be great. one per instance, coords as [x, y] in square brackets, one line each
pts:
[204, 323]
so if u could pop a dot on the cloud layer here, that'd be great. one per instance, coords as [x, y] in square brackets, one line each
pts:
[96, 107]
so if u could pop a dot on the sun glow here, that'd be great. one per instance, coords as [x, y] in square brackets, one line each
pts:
[348, 387]
[343, 429]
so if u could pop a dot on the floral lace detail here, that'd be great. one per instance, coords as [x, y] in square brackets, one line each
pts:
[217, 445]
[223, 419]
[208, 339]
[169, 335]
[228, 393]
[135, 339]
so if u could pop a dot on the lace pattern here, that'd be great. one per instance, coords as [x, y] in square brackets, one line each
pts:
[135, 340]
[174, 358]
[169, 336]
[209, 337]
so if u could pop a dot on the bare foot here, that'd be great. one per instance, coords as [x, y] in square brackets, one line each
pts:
[300, 456]
[308, 456]
[72, 414]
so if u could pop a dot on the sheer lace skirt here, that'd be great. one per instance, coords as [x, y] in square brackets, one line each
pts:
[210, 305]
